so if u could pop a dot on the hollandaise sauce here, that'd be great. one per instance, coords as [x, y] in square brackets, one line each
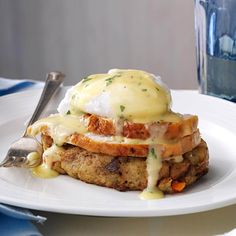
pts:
[33, 158]
[60, 126]
[133, 95]
[44, 171]
[50, 155]
[154, 164]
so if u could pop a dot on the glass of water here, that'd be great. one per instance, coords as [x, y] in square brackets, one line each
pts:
[215, 27]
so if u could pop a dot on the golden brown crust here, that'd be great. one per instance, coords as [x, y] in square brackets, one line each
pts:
[176, 148]
[179, 147]
[169, 130]
[129, 173]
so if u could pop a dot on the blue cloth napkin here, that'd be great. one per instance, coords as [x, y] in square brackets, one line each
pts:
[16, 221]
[8, 86]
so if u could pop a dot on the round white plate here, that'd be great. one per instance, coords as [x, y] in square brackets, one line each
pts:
[67, 195]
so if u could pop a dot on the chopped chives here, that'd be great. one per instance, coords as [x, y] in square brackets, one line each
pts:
[86, 79]
[153, 153]
[122, 108]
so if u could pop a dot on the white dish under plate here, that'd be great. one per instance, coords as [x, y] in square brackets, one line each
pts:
[67, 195]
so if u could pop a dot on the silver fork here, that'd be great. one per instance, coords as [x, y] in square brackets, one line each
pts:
[27, 151]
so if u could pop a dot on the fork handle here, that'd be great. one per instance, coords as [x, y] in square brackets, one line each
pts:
[53, 81]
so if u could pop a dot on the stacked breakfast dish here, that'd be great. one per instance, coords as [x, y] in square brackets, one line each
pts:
[118, 130]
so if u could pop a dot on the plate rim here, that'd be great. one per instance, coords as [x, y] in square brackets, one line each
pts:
[121, 213]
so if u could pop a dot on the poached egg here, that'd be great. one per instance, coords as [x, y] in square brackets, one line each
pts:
[133, 95]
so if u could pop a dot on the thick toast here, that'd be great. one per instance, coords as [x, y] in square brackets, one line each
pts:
[179, 147]
[168, 130]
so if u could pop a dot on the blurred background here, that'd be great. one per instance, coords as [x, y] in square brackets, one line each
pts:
[82, 37]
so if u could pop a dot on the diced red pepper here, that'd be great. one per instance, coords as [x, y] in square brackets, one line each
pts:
[178, 186]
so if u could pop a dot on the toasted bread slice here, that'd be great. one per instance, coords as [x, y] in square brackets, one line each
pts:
[169, 130]
[167, 149]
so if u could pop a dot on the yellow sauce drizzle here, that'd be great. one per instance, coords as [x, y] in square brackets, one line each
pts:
[60, 127]
[119, 124]
[33, 158]
[154, 164]
[50, 155]
[155, 193]
[44, 171]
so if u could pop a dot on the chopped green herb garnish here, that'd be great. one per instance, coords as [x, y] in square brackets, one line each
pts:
[153, 153]
[84, 80]
[68, 112]
[157, 89]
[144, 90]
[122, 108]
[110, 79]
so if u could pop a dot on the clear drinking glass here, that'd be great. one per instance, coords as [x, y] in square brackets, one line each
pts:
[215, 27]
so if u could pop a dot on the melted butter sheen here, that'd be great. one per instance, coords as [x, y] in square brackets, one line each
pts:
[138, 97]
[60, 127]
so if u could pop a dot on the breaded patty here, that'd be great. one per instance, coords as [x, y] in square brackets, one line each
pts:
[129, 173]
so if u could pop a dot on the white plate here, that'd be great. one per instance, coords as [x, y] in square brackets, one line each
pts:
[64, 194]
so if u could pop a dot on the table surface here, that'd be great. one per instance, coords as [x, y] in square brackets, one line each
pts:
[214, 222]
